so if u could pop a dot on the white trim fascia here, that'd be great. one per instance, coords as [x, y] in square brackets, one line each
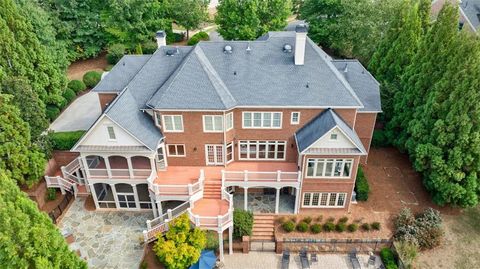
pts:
[467, 19]
[303, 151]
[370, 112]
[335, 127]
[351, 139]
[254, 106]
[128, 132]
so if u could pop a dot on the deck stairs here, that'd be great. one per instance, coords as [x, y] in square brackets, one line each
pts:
[69, 179]
[263, 228]
[212, 189]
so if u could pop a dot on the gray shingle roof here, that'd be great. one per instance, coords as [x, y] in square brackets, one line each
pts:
[471, 8]
[363, 83]
[322, 124]
[122, 73]
[263, 76]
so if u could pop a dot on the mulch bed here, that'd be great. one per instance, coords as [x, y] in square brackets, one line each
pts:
[150, 259]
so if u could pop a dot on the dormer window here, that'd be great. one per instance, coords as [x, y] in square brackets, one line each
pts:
[111, 133]
[333, 136]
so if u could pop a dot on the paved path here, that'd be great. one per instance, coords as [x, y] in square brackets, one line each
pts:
[264, 260]
[106, 239]
[79, 115]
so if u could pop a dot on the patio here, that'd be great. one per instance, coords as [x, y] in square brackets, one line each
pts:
[105, 239]
[265, 203]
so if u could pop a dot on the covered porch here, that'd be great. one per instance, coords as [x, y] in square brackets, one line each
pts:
[264, 200]
[115, 166]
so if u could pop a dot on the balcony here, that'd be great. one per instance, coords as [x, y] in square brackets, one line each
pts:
[119, 167]
[261, 174]
[177, 181]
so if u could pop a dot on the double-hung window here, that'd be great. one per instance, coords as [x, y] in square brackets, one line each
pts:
[268, 120]
[229, 152]
[111, 133]
[176, 150]
[295, 118]
[262, 150]
[212, 123]
[329, 168]
[172, 123]
[324, 199]
[229, 121]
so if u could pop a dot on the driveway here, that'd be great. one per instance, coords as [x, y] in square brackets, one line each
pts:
[79, 115]
[105, 239]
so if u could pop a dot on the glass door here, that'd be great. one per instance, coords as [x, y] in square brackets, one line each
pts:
[214, 154]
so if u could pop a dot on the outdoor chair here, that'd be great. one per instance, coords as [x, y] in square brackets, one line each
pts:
[286, 259]
[353, 253]
[371, 260]
[314, 258]
[304, 258]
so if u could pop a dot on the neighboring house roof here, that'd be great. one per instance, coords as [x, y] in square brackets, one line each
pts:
[362, 82]
[121, 74]
[320, 126]
[471, 9]
[262, 75]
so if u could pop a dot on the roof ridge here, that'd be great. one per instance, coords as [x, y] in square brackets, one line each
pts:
[220, 88]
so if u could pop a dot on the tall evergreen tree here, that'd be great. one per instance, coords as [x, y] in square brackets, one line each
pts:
[19, 158]
[395, 52]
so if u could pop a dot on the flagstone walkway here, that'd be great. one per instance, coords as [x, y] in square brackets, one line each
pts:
[106, 239]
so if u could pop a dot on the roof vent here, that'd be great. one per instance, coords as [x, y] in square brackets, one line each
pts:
[172, 52]
[228, 49]
[287, 48]
[249, 49]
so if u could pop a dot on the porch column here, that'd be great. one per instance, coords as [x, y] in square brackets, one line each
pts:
[277, 200]
[107, 166]
[85, 166]
[220, 244]
[154, 207]
[94, 195]
[152, 163]
[297, 198]
[135, 194]
[230, 240]
[159, 207]
[245, 198]
[130, 167]
[115, 197]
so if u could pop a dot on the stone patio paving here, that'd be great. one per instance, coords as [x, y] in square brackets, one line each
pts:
[265, 203]
[270, 260]
[106, 239]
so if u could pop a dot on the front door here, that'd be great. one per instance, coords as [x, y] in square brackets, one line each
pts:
[214, 154]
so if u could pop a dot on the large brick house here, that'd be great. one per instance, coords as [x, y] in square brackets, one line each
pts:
[226, 124]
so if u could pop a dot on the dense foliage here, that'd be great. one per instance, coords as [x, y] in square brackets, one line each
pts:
[200, 36]
[180, 247]
[288, 226]
[91, 78]
[424, 231]
[249, 19]
[65, 140]
[388, 258]
[362, 189]
[242, 223]
[77, 85]
[188, 13]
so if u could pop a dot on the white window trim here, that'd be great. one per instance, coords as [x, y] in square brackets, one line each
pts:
[232, 145]
[176, 145]
[230, 114]
[330, 137]
[291, 118]
[328, 200]
[213, 122]
[277, 142]
[221, 162]
[261, 119]
[158, 119]
[325, 167]
[114, 133]
[164, 129]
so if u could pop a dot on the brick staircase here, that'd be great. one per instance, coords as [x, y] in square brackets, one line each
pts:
[263, 227]
[212, 189]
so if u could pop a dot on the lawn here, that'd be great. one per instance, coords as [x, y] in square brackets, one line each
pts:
[461, 246]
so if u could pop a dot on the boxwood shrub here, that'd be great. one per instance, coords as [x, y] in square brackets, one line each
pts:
[91, 78]
[388, 258]
[361, 186]
[77, 85]
[340, 227]
[288, 226]
[375, 226]
[52, 112]
[65, 140]
[316, 228]
[352, 227]
[242, 223]
[307, 220]
[69, 95]
[328, 226]
[302, 227]
[365, 227]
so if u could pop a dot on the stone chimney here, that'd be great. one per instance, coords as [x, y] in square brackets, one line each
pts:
[300, 41]
[161, 38]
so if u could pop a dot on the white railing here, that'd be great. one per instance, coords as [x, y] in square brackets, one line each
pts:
[211, 222]
[61, 183]
[119, 173]
[160, 224]
[177, 189]
[249, 176]
[69, 170]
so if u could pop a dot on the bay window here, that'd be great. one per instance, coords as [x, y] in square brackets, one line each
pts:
[331, 168]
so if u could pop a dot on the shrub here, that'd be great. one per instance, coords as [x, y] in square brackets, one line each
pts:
[352, 227]
[115, 53]
[328, 226]
[302, 227]
[375, 225]
[91, 78]
[52, 112]
[293, 218]
[65, 140]
[331, 219]
[200, 36]
[407, 252]
[361, 186]
[388, 258]
[340, 227]
[69, 95]
[307, 220]
[51, 194]
[380, 139]
[212, 240]
[149, 47]
[282, 219]
[288, 226]
[175, 37]
[76, 85]
[242, 223]
[425, 230]
[316, 228]
[319, 218]
[365, 227]
[343, 220]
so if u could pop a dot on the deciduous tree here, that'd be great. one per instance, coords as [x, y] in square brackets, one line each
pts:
[188, 13]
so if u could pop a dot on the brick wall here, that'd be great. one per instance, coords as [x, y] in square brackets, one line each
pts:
[64, 157]
[364, 125]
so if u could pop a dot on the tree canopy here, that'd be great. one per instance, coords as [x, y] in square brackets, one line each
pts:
[249, 19]
[188, 13]
[28, 239]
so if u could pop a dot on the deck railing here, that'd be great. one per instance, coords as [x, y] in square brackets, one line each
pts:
[177, 189]
[61, 183]
[211, 222]
[119, 173]
[160, 224]
[253, 176]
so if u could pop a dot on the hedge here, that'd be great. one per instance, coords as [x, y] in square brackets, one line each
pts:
[242, 223]
[91, 78]
[77, 86]
[52, 112]
[361, 186]
[380, 139]
[200, 36]
[388, 258]
[115, 53]
[65, 140]
[69, 95]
